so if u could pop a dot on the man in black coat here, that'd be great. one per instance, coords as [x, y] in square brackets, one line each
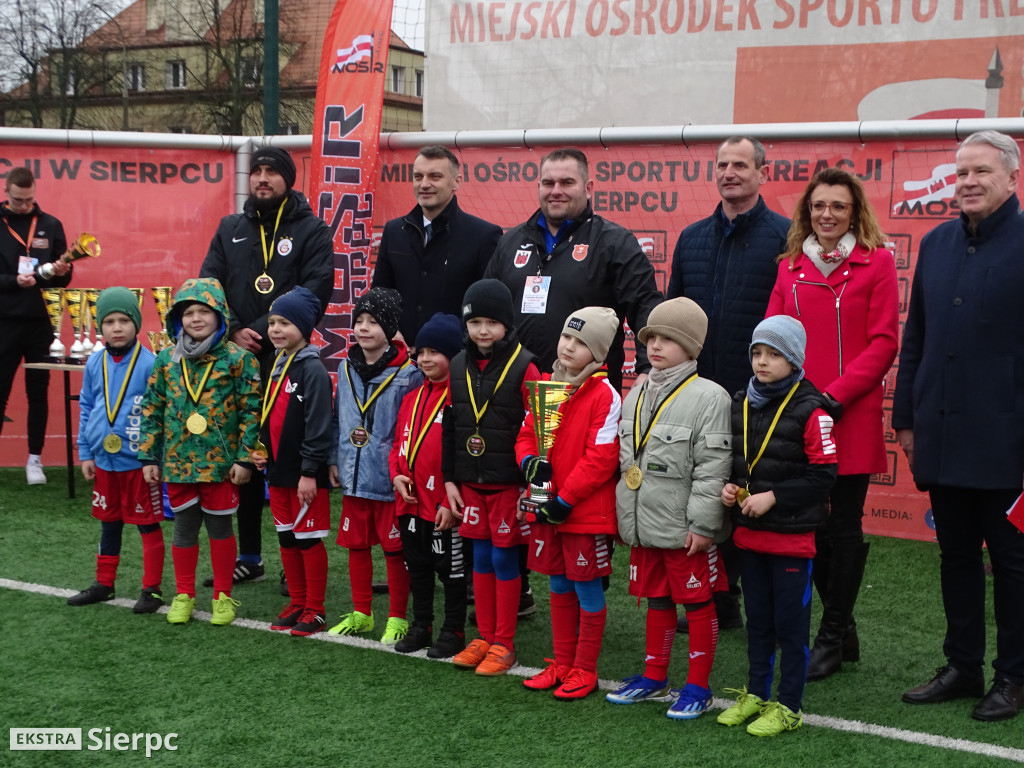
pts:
[274, 245]
[436, 251]
[29, 240]
[958, 412]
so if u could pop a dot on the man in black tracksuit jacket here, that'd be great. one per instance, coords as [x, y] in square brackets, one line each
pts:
[590, 262]
[432, 273]
[274, 245]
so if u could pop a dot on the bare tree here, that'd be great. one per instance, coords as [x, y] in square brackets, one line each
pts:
[41, 43]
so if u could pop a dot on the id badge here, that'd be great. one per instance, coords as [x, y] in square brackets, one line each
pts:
[27, 265]
[535, 295]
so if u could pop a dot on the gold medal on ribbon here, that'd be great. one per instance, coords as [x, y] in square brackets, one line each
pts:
[264, 283]
[112, 443]
[261, 450]
[359, 437]
[475, 445]
[634, 477]
[742, 495]
[196, 424]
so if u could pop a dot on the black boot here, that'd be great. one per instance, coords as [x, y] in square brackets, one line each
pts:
[845, 573]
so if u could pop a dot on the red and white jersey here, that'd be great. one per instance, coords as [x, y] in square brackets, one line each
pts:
[418, 435]
[585, 454]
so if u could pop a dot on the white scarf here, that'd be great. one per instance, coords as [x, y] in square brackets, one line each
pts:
[827, 262]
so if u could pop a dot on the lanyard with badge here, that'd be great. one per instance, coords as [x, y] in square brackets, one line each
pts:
[475, 445]
[360, 436]
[112, 443]
[414, 440]
[634, 475]
[269, 398]
[265, 283]
[26, 264]
[743, 493]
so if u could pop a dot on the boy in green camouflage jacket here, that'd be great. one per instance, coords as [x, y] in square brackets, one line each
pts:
[199, 422]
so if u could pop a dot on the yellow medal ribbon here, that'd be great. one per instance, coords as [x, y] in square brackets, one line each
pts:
[268, 254]
[412, 447]
[767, 437]
[384, 385]
[112, 412]
[198, 393]
[268, 398]
[638, 441]
[479, 412]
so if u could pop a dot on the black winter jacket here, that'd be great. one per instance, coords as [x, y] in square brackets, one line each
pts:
[500, 425]
[801, 488]
[731, 278]
[598, 264]
[302, 254]
[433, 277]
[47, 244]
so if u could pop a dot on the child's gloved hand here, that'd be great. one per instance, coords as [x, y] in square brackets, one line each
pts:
[536, 470]
[555, 511]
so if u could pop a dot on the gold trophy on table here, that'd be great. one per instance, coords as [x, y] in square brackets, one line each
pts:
[545, 399]
[73, 302]
[86, 246]
[90, 296]
[161, 339]
[54, 299]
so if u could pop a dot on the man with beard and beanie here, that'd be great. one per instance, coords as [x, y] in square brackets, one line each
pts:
[274, 245]
[29, 240]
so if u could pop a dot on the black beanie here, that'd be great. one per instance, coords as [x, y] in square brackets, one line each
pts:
[384, 305]
[489, 298]
[277, 159]
[300, 307]
[443, 333]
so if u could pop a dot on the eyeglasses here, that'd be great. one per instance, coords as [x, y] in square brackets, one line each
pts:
[819, 206]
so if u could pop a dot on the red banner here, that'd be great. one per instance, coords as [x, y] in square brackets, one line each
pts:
[658, 190]
[153, 212]
[346, 133]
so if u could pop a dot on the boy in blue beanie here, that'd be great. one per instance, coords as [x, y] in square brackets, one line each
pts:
[295, 438]
[784, 466]
[430, 539]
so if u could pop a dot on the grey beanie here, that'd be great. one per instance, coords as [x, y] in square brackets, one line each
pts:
[681, 320]
[594, 326]
[785, 334]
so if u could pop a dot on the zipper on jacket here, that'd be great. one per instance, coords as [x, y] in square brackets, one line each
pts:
[839, 325]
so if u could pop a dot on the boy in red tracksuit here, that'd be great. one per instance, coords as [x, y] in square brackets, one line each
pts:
[296, 437]
[481, 477]
[571, 540]
[430, 540]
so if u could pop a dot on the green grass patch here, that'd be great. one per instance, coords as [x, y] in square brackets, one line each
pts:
[248, 698]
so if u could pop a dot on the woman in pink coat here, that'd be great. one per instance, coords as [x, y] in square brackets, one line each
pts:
[838, 280]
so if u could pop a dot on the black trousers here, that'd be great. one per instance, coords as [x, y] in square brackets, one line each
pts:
[966, 518]
[29, 340]
[427, 552]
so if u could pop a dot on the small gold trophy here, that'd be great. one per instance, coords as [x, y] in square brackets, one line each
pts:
[73, 302]
[92, 328]
[545, 399]
[54, 298]
[140, 294]
[162, 297]
[86, 246]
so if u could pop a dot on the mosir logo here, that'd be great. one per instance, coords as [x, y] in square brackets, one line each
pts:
[924, 185]
[354, 58]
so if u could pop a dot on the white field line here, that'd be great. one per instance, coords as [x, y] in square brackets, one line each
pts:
[821, 721]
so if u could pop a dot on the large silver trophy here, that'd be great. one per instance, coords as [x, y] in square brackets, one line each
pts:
[546, 397]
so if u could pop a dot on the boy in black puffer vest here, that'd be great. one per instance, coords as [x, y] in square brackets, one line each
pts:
[784, 465]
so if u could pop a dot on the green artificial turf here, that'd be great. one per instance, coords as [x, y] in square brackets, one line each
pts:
[244, 697]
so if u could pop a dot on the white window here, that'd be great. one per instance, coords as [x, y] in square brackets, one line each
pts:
[397, 80]
[70, 82]
[419, 83]
[176, 74]
[136, 76]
